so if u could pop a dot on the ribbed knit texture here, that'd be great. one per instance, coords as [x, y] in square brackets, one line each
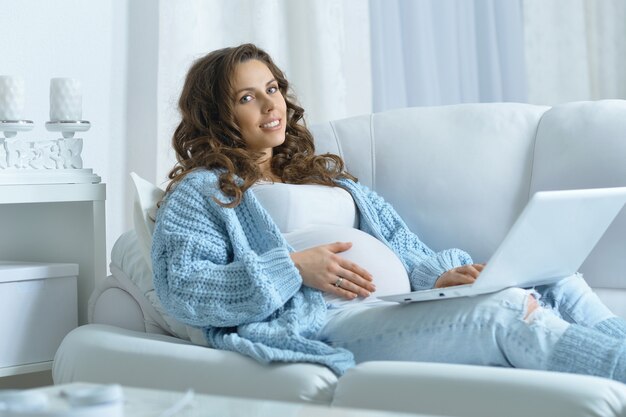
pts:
[228, 271]
[614, 327]
[583, 350]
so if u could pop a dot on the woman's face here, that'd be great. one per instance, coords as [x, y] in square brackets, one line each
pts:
[260, 110]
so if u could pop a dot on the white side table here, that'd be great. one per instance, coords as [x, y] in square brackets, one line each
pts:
[139, 402]
[56, 223]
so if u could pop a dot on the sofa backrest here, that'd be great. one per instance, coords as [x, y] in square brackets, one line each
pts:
[460, 175]
[583, 145]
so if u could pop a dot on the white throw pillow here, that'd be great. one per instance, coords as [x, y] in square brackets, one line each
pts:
[147, 195]
[139, 272]
[129, 268]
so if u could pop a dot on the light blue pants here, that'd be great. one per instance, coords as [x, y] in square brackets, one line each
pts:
[491, 329]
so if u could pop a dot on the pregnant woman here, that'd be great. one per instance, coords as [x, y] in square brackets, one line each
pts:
[279, 254]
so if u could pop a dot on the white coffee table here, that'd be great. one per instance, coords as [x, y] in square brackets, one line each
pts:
[140, 402]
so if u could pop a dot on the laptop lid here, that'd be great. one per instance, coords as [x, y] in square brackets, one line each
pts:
[552, 237]
[550, 240]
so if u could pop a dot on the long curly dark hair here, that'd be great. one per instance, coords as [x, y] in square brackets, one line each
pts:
[208, 135]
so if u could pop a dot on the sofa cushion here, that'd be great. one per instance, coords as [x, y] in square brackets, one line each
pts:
[477, 391]
[106, 354]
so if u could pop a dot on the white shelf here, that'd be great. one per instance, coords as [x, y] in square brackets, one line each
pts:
[25, 369]
[67, 225]
[15, 176]
[51, 193]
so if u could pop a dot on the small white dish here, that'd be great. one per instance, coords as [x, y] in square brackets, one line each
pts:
[68, 127]
[11, 127]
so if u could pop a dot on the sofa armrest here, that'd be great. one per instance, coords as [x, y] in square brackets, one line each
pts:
[105, 354]
[477, 391]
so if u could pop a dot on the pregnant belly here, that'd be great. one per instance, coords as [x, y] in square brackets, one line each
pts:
[389, 274]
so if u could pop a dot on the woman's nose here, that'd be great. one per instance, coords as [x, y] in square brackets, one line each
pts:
[268, 104]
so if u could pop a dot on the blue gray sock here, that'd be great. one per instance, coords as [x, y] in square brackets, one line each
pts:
[614, 327]
[582, 350]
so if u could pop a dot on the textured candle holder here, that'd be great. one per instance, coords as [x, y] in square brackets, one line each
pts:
[12, 98]
[66, 99]
[66, 111]
[45, 161]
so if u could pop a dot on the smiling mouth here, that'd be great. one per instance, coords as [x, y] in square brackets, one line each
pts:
[271, 124]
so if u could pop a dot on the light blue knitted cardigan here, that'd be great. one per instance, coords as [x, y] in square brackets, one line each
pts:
[228, 271]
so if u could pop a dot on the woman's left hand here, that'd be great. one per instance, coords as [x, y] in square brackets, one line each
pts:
[466, 274]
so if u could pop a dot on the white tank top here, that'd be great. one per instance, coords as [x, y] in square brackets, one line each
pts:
[312, 215]
[294, 207]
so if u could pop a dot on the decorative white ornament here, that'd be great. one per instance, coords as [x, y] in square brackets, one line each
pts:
[41, 155]
[17, 153]
[69, 152]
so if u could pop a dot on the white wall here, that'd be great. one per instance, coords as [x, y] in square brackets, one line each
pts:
[131, 59]
[141, 129]
[87, 40]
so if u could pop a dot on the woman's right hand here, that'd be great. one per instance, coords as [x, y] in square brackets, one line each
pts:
[322, 268]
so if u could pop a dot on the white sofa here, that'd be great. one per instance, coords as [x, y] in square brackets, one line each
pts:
[459, 175]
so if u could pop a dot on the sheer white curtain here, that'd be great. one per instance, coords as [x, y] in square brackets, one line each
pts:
[323, 47]
[431, 52]
[575, 50]
[349, 57]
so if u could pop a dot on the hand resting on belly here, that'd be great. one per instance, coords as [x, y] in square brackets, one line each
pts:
[370, 254]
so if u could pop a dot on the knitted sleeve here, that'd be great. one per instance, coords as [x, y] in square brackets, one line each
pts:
[423, 264]
[197, 276]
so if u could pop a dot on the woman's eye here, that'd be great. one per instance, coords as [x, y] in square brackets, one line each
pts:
[245, 98]
[272, 90]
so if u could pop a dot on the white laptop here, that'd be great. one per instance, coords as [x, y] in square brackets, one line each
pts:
[550, 240]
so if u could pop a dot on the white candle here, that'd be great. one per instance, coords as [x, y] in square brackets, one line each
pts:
[66, 99]
[12, 97]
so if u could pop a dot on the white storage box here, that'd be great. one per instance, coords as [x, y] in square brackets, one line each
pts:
[38, 307]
